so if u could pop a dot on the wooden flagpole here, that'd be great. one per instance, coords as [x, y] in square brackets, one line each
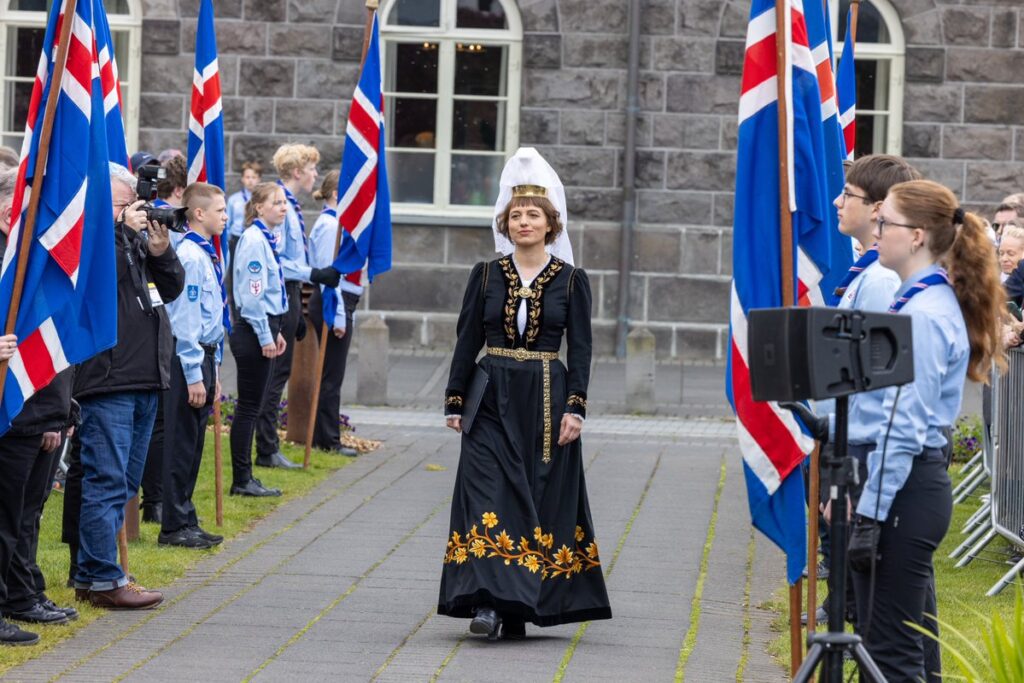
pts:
[782, 23]
[813, 494]
[28, 226]
[371, 9]
[854, 13]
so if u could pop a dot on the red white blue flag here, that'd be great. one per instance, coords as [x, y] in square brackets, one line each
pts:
[847, 87]
[772, 442]
[364, 201]
[65, 314]
[206, 119]
[110, 81]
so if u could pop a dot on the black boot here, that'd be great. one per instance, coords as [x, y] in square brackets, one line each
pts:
[486, 622]
[512, 627]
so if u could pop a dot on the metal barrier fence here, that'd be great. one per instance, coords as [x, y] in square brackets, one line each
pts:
[1007, 466]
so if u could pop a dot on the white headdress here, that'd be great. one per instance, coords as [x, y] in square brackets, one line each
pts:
[528, 171]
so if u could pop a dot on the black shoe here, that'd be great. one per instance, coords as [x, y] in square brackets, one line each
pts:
[513, 628]
[820, 616]
[184, 538]
[486, 622]
[338, 449]
[37, 614]
[212, 538]
[254, 488]
[152, 512]
[276, 459]
[12, 635]
[70, 612]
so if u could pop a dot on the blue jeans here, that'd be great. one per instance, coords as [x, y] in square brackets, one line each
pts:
[115, 436]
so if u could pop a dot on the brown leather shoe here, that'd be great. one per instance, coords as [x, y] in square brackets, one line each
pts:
[129, 596]
[82, 594]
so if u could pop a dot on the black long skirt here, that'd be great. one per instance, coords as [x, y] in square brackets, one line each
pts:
[521, 538]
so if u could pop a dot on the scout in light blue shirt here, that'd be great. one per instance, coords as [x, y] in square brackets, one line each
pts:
[258, 286]
[293, 248]
[236, 212]
[321, 255]
[931, 402]
[197, 317]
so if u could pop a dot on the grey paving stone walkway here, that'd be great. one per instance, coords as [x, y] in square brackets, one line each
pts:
[342, 585]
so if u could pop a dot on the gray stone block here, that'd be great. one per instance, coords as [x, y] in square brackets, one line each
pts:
[723, 211]
[468, 246]
[730, 133]
[990, 182]
[542, 50]
[267, 78]
[348, 12]
[255, 147]
[582, 127]
[652, 91]
[699, 94]
[924, 29]
[727, 252]
[418, 244]
[316, 11]
[190, 8]
[234, 113]
[347, 44]
[684, 299]
[926, 65]
[591, 16]
[425, 289]
[686, 132]
[966, 25]
[684, 54]
[594, 204]
[656, 251]
[615, 129]
[539, 15]
[265, 10]
[993, 104]
[701, 171]
[538, 126]
[699, 17]
[583, 89]
[735, 18]
[165, 73]
[701, 252]
[151, 139]
[696, 344]
[657, 16]
[602, 51]
[259, 116]
[161, 37]
[610, 296]
[976, 142]
[929, 102]
[640, 369]
[729, 56]
[372, 389]
[162, 111]
[674, 207]
[308, 117]
[290, 40]
[238, 37]
[922, 140]
[161, 9]
[650, 169]
[582, 166]
[325, 80]
[1004, 28]
[948, 173]
[986, 66]
[601, 248]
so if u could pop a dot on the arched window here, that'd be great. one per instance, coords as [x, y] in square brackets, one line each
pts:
[880, 60]
[22, 25]
[452, 89]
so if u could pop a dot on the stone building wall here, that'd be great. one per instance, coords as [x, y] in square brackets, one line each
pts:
[286, 77]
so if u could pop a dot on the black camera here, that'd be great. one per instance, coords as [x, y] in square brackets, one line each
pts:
[168, 216]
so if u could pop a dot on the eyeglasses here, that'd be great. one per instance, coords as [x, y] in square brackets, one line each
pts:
[847, 194]
[882, 222]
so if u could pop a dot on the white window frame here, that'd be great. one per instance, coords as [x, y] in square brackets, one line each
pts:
[894, 52]
[129, 74]
[446, 35]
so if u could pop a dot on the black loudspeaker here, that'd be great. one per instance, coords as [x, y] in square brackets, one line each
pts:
[817, 353]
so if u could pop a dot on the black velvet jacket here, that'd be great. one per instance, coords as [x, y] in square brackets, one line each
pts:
[558, 303]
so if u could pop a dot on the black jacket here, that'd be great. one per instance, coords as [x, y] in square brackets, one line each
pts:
[141, 360]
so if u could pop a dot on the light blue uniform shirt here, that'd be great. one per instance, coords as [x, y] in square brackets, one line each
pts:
[873, 290]
[236, 213]
[927, 405]
[292, 249]
[256, 285]
[197, 316]
[321, 255]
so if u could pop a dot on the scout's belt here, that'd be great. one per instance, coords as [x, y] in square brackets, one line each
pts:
[522, 355]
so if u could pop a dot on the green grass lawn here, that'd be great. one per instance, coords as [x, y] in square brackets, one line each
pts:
[961, 592]
[157, 566]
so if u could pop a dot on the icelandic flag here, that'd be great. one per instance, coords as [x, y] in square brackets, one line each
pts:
[65, 315]
[772, 442]
[847, 87]
[113, 105]
[205, 118]
[364, 204]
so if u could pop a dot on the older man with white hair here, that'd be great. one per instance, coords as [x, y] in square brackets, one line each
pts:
[118, 392]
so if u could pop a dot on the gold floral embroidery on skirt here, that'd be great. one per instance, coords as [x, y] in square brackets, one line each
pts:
[543, 558]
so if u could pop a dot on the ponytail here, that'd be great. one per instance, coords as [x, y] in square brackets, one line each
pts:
[959, 240]
[328, 187]
[260, 194]
[975, 273]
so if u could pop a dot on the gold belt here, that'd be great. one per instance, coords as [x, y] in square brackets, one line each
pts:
[521, 355]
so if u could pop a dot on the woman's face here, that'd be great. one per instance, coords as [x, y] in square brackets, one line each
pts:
[1011, 249]
[273, 210]
[527, 225]
[896, 242]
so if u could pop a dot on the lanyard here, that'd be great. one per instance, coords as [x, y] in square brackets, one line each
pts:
[869, 257]
[212, 253]
[937, 278]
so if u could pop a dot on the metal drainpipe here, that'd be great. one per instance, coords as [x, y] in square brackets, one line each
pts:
[629, 179]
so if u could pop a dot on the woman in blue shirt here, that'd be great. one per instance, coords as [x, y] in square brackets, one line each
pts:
[256, 340]
[905, 508]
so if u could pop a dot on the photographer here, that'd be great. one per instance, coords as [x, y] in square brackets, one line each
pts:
[118, 392]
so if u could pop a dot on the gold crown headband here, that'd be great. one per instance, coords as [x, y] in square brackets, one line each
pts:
[529, 191]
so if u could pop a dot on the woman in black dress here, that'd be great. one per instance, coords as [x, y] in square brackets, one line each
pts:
[521, 545]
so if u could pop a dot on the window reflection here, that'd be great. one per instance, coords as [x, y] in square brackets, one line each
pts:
[113, 6]
[481, 14]
[480, 69]
[416, 13]
[412, 67]
[870, 24]
[475, 179]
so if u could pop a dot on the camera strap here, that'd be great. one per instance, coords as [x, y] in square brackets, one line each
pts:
[135, 272]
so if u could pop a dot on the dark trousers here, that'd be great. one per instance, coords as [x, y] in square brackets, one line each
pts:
[72, 503]
[19, 458]
[267, 442]
[253, 378]
[185, 432]
[152, 476]
[326, 433]
[905, 577]
[860, 454]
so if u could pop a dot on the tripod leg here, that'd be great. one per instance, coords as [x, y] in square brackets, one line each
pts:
[869, 671]
[806, 671]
